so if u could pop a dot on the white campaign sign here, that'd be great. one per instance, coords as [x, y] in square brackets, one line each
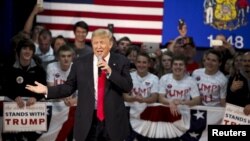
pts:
[234, 116]
[29, 118]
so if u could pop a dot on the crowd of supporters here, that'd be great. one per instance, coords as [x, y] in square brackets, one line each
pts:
[167, 74]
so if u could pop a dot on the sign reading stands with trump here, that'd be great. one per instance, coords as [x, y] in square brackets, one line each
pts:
[28, 118]
[234, 116]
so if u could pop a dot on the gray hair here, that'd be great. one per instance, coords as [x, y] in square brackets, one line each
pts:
[102, 33]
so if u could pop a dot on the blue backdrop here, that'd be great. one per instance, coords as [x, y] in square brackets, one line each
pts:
[192, 11]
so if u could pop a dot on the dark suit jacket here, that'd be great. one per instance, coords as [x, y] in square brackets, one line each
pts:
[81, 78]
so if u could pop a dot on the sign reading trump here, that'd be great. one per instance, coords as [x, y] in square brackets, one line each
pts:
[29, 118]
[234, 116]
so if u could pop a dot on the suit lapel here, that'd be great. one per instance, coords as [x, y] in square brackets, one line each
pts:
[90, 74]
[112, 64]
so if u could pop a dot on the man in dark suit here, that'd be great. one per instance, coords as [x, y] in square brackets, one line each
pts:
[83, 77]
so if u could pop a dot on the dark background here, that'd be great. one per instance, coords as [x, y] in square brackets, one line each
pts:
[14, 13]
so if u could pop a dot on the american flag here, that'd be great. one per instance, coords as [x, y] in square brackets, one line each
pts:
[140, 20]
[154, 121]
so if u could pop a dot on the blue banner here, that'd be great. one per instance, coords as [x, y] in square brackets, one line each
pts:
[207, 18]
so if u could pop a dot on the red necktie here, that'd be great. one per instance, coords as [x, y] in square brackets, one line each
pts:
[101, 91]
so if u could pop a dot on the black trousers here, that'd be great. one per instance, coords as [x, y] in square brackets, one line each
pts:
[98, 131]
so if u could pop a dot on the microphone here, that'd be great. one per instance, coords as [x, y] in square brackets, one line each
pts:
[99, 58]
